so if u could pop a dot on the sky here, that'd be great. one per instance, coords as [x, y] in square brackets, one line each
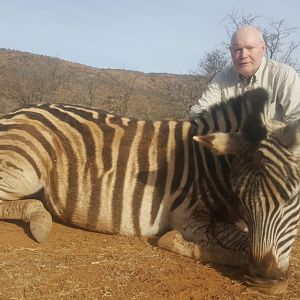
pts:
[158, 36]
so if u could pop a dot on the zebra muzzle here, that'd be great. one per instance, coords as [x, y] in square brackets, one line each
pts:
[264, 275]
[268, 286]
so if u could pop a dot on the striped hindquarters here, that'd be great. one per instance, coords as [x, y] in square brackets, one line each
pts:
[99, 171]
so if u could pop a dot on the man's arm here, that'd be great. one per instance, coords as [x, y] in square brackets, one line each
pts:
[211, 96]
[290, 96]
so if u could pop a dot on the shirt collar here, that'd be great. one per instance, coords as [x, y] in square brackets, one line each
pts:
[259, 72]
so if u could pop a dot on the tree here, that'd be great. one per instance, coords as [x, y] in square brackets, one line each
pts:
[279, 45]
[124, 93]
[91, 89]
[33, 85]
[179, 94]
[213, 62]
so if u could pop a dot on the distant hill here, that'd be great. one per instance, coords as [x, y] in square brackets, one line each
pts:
[27, 78]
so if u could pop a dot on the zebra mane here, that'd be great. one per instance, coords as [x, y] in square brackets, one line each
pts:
[254, 128]
[245, 113]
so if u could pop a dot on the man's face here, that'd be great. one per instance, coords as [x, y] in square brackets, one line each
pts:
[247, 51]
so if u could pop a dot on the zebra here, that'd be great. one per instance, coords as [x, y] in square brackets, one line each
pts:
[191, 183]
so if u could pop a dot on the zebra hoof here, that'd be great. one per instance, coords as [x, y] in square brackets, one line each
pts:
[174, 242]
[40, 226]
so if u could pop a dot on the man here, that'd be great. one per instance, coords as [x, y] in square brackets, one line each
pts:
[250, 70]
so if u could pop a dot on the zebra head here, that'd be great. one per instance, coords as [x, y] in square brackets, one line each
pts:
[265, 176]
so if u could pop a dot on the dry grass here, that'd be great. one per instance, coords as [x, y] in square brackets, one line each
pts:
[76, 264]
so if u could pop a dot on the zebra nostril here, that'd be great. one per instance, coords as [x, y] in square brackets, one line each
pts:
[266, 267]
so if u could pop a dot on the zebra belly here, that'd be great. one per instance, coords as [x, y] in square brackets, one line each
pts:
[126, 217]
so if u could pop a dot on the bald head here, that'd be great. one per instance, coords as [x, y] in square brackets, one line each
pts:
[247, 32]
[247, 50]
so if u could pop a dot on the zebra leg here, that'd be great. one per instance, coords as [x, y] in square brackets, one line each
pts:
[29, 210]
[223, 244]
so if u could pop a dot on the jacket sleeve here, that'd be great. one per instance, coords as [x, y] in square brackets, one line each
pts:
[290, 96]
[211, 96]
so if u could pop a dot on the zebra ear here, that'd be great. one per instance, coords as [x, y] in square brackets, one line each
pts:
[222, 143]
[290, 136]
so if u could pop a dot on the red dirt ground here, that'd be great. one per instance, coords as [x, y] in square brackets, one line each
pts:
[76, 264]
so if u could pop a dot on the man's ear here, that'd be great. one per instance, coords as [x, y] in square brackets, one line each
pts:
[264, 47]
[222, 143]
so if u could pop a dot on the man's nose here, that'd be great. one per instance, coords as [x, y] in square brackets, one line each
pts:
[244, 53]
